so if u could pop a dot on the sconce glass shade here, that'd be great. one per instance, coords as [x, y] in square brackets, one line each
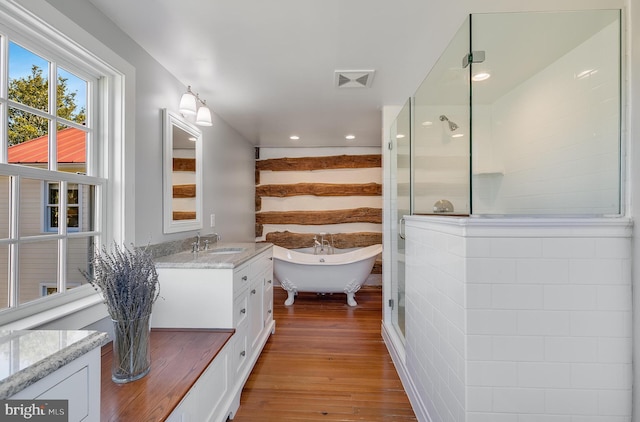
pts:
[188, 104]
[204, 116]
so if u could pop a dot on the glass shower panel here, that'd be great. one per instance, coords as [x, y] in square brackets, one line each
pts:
[545, 113]
[441, 138]
[400, 206]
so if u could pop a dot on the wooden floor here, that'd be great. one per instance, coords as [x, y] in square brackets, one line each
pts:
[326, 362]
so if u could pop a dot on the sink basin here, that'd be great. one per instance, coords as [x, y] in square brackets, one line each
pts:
[226, 250]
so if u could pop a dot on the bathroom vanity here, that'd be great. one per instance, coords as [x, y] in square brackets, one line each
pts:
[228, 286]
[53, 365]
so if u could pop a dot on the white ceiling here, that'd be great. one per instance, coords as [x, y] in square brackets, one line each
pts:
[267, 67]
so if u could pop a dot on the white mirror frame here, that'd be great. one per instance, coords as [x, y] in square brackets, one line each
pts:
[170, 121]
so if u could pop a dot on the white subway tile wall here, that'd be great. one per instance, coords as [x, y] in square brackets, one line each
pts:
[544, 331]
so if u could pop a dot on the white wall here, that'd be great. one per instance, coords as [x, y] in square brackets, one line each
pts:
[228, 157]
[631, 135]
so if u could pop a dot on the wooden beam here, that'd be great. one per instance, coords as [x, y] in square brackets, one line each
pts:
[320, 189]
[184, 164]
[184, 215]
[320, 163]
[184, 191]
[355, 215]
[377, 267]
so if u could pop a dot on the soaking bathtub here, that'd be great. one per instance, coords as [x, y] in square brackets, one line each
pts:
[344, 271]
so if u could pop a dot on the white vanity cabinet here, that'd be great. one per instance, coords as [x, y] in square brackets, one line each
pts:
[78, 382]
[54, 365]
[240, 298]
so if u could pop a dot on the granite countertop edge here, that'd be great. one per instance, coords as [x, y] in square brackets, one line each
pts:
[207, 259]
[34, 373]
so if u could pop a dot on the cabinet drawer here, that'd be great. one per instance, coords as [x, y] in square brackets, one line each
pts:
[240, 280]
[240, 309]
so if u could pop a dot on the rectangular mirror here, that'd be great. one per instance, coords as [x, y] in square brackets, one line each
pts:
[182, 185]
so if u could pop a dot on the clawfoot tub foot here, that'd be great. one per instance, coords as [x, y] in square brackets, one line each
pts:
[291, 297]
[351, 299]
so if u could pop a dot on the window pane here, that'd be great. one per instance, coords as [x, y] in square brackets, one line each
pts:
[54, 193]
[25, 127]
[72, 217]
[28, 78]
[4, 206]
[79, 253]
[72, 194]
[31, 207]
[72, 149]
[4, 276]
[38, 270]
[72, 96]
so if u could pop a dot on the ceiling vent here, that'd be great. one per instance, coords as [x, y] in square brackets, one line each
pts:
[353, 78]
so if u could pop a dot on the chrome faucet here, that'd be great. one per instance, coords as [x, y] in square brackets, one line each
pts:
[322, 244]
[195, 246]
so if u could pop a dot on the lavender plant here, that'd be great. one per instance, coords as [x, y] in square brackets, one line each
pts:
[128, 282]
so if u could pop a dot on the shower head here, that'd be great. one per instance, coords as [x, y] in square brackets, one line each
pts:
[452, 125]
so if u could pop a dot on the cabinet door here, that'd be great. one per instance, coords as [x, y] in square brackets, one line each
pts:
[74, 388]
[205, 400]
[267, 300]
[255, 310]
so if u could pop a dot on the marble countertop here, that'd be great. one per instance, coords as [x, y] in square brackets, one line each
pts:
[30, 355]
[219, 255]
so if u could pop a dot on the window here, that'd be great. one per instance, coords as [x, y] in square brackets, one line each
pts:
[48, 135]
[52, 205]
[53, 193]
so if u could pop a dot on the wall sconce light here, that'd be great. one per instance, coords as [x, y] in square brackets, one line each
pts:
[189, 107]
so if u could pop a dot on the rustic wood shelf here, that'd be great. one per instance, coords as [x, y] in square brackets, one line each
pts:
[178, 359]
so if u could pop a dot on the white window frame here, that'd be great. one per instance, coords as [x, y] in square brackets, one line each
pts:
[38, 23]
[47, 205]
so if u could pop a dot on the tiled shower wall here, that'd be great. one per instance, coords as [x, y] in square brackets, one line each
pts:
[520, 320]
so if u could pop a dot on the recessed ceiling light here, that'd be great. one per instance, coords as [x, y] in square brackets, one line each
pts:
[457, 135]
[193, 138]
[427, 123]
[399, 136]
[480, 76]
[294, 137]
[350, 137]
[586, 73]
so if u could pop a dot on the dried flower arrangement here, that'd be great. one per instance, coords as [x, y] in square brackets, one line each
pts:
[128, 282]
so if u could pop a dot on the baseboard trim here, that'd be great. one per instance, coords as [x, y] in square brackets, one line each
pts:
[396, 351]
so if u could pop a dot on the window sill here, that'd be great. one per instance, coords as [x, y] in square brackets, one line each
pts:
[51, 314]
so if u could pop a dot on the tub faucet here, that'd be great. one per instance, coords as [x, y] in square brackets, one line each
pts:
[316, 244]
[329, 246]
[322, 244]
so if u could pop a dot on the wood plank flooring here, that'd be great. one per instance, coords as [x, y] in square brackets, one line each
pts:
[325, 362]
